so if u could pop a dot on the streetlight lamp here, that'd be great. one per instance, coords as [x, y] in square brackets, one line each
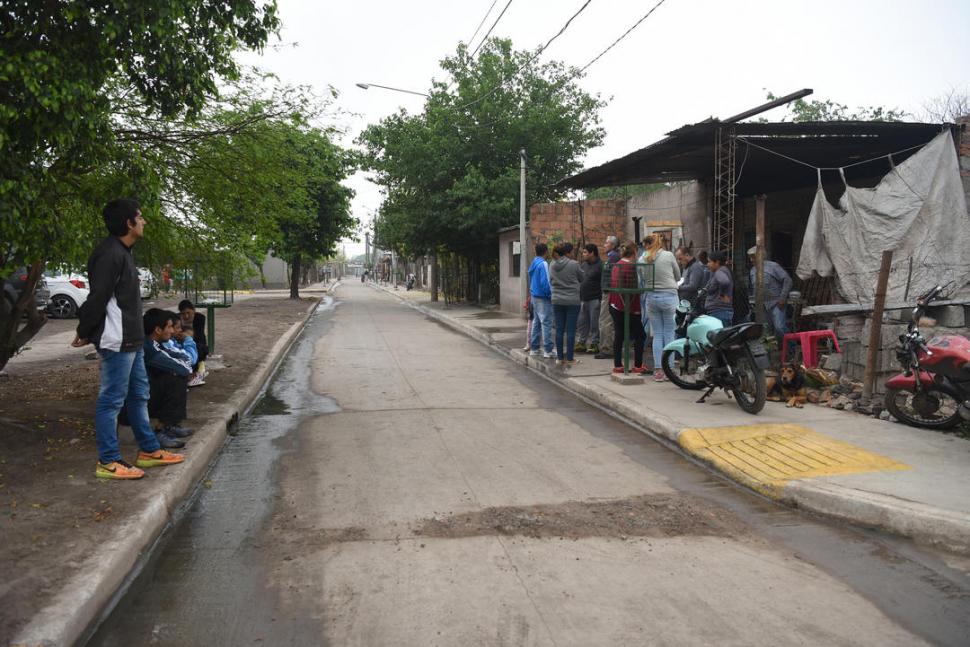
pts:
[368, 86]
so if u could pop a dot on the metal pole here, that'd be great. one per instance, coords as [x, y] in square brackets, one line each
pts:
[523, 270]
[875, 327]
[759, 260]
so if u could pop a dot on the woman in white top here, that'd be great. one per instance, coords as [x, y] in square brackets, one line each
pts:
[661, 302]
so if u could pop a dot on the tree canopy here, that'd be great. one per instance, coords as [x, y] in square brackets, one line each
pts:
[450, 174]
[828, 110]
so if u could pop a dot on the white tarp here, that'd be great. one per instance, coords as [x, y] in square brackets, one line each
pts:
[919, 211]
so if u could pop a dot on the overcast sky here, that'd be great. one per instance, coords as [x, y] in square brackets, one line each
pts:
[690, 60]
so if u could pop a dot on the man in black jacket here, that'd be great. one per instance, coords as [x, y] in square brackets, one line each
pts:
[590, 295]
[111, 319]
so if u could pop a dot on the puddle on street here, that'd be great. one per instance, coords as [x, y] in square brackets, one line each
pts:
[205, 583]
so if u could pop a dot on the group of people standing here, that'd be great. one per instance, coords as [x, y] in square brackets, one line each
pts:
[566, 306]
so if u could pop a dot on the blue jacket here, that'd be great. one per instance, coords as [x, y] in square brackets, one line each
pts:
[186, 346]
[539, 286]
[157, 360]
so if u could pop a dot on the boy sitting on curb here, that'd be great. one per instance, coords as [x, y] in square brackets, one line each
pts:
[168, 373]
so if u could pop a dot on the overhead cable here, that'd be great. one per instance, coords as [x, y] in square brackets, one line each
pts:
[479, 28]
[489, 32]
[539, 51]
[635, 25]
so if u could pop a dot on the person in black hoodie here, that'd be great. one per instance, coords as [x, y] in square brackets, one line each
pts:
[590, 295]
[111, 320]
[195, 321]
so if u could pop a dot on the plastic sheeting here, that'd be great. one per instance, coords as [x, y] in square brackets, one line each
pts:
[918, 210]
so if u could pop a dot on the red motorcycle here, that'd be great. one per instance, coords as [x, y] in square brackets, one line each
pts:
[933, 391]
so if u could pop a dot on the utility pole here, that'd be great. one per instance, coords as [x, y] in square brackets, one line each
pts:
[523, 270]
[366, 249]
[759, 259]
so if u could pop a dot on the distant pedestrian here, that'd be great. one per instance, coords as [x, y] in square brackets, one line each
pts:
[111, 319]
[591, 295]
[662, 300]
[540, 292]
[623, 275]
[565, 276]
[611, 246]
[719, 302]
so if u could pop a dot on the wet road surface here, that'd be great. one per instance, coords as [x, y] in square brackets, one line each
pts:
[401, 484]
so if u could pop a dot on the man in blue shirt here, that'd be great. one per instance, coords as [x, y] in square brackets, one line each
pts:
[540, 291]
[777, 286]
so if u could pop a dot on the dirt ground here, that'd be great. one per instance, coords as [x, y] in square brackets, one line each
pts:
[52, 508]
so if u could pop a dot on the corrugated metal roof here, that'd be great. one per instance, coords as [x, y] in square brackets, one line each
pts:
[688, 154]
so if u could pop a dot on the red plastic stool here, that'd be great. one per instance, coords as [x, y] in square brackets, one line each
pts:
[809, 341]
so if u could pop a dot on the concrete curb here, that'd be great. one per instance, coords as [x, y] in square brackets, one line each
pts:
[81, 602]
[922, 523]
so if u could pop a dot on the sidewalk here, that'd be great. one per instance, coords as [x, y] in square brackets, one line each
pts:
[72, 540]
[874, 473]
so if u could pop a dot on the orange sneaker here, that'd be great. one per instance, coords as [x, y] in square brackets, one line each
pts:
[117, 470]
[158, 457]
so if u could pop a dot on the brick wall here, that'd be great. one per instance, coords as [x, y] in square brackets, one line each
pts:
[554, 221]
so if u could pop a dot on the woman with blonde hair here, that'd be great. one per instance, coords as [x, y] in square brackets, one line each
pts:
[661, 301]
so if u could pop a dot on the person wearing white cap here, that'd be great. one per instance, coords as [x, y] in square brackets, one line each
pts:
[777, 286]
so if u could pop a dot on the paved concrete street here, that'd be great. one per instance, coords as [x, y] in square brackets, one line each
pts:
[401, 484]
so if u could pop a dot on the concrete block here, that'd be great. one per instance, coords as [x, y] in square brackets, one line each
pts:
[949, 316]
[632, 378]
[833, 362]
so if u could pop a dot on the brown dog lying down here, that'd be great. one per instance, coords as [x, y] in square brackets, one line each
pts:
[789, 386]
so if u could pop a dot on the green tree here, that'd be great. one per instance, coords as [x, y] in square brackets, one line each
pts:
[318, 216]
[827, 110]
[450, 174]
[63, 68]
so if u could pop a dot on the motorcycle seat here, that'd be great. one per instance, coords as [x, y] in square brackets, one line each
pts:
[741, 332]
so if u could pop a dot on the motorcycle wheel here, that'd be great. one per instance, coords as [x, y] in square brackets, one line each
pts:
[672, 360]
[751, 394]
[935, 409]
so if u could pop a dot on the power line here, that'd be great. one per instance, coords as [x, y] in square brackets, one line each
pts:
[489, 32]
[635, 25]
[487, 13]
[528, 62]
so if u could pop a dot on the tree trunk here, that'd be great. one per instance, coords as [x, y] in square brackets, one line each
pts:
[434, 276]
[12, 339]
[295, 268]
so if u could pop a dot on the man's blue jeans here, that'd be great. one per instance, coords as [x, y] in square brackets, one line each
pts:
[566, 317]
[779, 320]
[543, 324]
[124, 381]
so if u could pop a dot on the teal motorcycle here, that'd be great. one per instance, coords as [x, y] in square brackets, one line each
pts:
[710, 355]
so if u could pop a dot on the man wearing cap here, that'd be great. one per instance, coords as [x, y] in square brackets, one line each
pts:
[777, 286]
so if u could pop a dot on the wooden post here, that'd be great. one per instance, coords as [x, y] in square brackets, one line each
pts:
[759, 260]
[875, 327]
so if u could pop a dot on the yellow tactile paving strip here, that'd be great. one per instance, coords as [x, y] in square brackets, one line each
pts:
[765, 457]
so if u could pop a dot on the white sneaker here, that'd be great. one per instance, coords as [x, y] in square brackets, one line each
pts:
[198, 380]
[548, 355]
[534, 353]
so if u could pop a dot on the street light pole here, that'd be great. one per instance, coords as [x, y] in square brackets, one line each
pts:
[523, 273]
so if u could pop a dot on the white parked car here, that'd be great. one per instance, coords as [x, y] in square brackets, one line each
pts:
[146, 281]
[67, 293]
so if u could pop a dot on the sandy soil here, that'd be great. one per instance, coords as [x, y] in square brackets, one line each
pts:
[53, 510]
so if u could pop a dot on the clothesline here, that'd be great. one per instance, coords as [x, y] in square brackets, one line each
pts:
[888, 156]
